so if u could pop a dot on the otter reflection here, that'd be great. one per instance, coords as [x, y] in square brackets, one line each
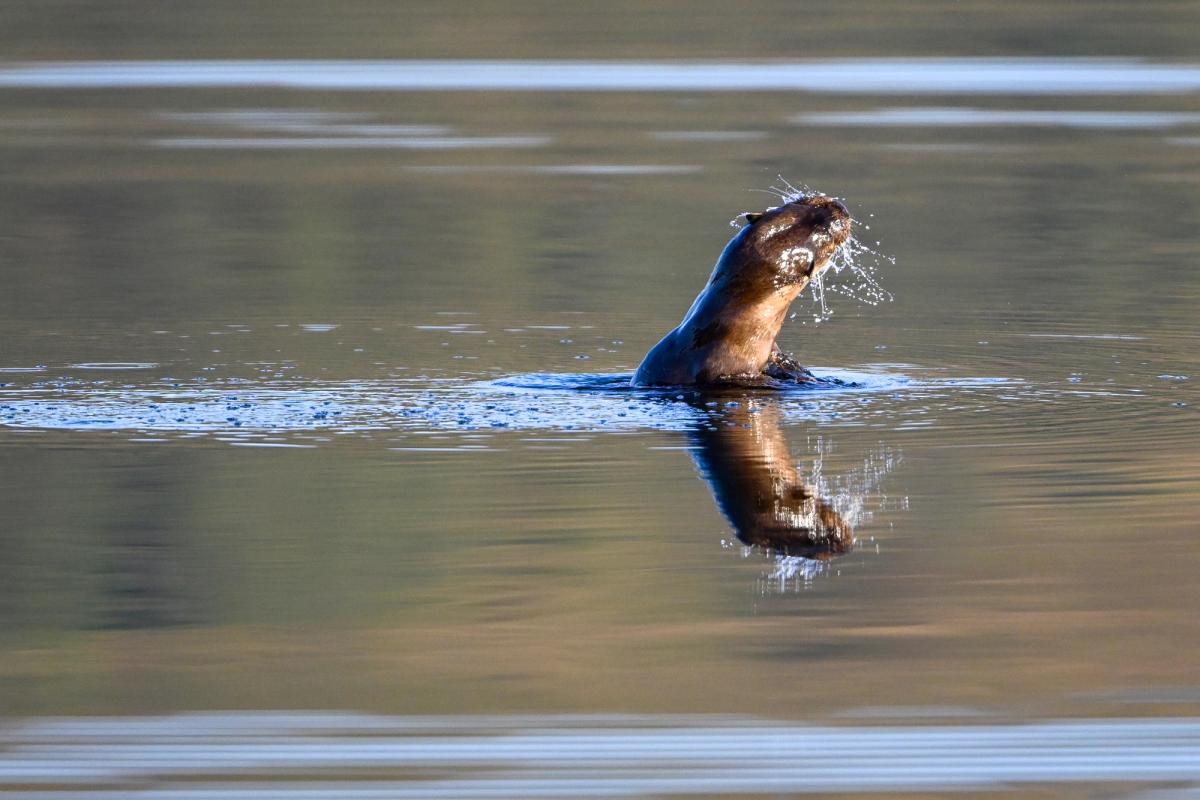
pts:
[745, 459]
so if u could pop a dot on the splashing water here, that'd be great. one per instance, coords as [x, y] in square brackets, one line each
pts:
[818, 290]
[788, 192]
[861, 263]
[858, 261]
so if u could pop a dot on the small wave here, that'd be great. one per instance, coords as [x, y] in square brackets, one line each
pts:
[576, 382]
[982, 118]
[830, 381]
[1102, 336]
[115, 365]
[348, 142]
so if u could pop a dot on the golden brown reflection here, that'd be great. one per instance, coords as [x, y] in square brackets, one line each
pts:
[759, 488]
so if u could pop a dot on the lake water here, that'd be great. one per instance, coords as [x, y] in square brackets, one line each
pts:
[317, 481]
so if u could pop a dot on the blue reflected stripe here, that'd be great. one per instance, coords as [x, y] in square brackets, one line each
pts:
[839, 76]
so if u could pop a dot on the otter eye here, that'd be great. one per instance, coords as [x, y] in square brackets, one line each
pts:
[752, 216]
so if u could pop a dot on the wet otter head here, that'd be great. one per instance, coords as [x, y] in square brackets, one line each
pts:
[764, 268]
[786, 246]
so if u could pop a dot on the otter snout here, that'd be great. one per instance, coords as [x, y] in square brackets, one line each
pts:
[828, 211]
[833, 216]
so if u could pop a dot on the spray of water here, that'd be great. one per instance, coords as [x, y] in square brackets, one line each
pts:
[857, 494]
[853, 270]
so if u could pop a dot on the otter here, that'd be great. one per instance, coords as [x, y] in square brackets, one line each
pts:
[728, 335]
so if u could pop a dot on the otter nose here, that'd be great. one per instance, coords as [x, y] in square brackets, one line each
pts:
[831, 205]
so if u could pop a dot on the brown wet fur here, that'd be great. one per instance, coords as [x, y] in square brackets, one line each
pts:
[728, 335]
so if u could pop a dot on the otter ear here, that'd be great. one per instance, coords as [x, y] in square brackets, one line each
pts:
[752, 217]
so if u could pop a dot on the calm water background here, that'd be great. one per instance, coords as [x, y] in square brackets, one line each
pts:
[250, 454]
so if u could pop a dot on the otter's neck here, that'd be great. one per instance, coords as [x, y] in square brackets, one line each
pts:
[738, 328]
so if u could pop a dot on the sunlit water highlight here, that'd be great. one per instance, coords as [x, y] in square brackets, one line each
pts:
[355, 143]
[1041, 76]
[344, 756]
[979, 117]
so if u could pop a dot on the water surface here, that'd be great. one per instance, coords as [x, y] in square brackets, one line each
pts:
[308, 409]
